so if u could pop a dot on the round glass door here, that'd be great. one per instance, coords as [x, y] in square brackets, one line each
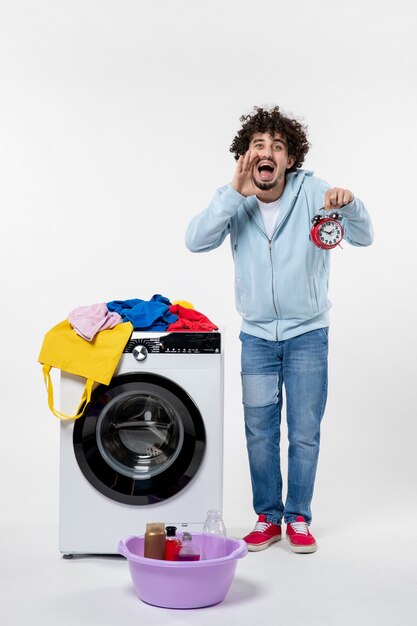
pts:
[141, 439]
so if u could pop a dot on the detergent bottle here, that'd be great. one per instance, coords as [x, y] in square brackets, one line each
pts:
[154, 544]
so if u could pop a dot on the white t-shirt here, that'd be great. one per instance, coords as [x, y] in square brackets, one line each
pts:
[269, 212]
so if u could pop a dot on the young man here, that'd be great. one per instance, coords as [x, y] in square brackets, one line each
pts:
[281, 281]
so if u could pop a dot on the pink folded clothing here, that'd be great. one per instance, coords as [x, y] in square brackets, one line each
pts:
[88, 320]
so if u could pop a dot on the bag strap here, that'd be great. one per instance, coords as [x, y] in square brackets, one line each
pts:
[85, 399]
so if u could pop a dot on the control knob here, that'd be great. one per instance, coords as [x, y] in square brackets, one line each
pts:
[140, 352]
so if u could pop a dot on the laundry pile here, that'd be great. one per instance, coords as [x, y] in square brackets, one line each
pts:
[93, 354]
[156, 314]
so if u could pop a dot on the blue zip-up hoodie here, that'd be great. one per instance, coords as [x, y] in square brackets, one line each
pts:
[280, 283]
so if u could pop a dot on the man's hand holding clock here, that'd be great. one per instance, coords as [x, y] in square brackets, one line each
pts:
[336, 198]
[327, 232]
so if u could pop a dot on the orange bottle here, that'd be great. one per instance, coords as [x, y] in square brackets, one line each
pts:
[154, 547]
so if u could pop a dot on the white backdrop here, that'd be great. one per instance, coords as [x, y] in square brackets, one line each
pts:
[116, 121]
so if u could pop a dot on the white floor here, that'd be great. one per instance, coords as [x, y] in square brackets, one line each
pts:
[361, 575]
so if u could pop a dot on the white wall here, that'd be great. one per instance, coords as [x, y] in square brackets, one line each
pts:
[116, 121]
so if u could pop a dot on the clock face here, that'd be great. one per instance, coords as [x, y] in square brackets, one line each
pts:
[329, 233]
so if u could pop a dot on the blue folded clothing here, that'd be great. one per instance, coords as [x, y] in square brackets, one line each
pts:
[150, 315]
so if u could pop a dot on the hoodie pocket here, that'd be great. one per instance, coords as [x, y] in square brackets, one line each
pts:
[240, 296]
[314, 295]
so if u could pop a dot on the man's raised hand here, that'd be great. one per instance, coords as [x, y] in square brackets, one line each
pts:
[242, 179]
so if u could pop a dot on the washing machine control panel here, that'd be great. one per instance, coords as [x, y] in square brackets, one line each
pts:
[174, 343]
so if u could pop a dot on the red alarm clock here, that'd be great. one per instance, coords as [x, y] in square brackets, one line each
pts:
[327, 230]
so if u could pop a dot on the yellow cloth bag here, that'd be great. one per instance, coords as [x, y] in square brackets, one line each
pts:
[94, 360]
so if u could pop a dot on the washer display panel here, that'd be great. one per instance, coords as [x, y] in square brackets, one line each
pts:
[141, 440]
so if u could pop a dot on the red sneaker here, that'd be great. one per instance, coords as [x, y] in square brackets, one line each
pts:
[262, 535]
[300, 538]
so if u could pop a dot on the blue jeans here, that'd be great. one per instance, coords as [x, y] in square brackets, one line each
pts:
[300, 365]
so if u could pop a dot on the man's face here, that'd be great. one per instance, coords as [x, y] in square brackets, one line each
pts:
[273, 160]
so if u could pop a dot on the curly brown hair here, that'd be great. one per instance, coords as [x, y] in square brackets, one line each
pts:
[272, 121]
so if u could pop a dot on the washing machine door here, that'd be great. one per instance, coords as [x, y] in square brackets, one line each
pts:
[141, 439]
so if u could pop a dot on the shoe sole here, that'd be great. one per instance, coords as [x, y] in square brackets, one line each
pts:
[262, 546]
[302, 549]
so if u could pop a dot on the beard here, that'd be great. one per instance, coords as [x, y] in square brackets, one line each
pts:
[264, 186]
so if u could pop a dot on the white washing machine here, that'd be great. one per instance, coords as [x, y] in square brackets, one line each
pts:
[149, 447]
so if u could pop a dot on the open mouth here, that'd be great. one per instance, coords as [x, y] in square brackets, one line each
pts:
[266, 170]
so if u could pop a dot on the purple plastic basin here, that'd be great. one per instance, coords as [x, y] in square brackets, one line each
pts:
[182, 585]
